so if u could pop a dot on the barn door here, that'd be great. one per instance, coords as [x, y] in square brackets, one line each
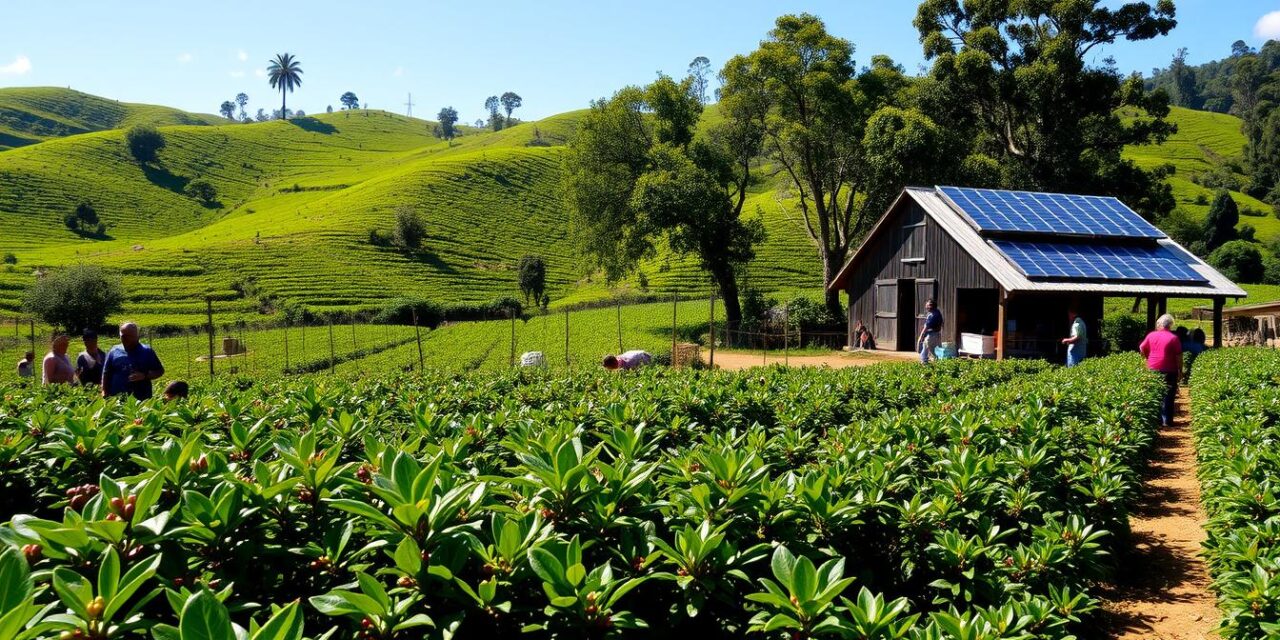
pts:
[885, 327]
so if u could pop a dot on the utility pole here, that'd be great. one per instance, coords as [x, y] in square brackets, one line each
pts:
[409, 104]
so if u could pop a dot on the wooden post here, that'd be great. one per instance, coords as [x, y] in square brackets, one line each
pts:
[619, 326]
[354, 346]
[566, 338]
[786, 344]
[187, 334]
[209, 316]
[1217, 321]
[711, 330]
[417, 334]
[333, 358]
[286, 347]
[674, 298]
[1151, 313]
[1000, 323]
[33, 339]
[513, 337]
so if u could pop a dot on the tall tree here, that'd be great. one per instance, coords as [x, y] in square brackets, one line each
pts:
[800, 93]
[242, 99]
[1017, 87]
[1184, 81]
[510, 102]
[492, 104]
[349, 101]
[635, 173]
[447, 118]
[1220, 224]
[700, 71]
[532, 272]
[228, 109]
[285, 74]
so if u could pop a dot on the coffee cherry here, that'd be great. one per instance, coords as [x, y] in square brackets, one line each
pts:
[96, 607]
[78, 502]
[33, 552]
[117, 505]
[407, 582]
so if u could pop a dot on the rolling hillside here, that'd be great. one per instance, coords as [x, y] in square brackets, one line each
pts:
[297, 201]
[33, 114]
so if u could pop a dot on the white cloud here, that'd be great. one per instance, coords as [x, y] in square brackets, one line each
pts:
[242, 55]
[20, 65]
[236, 74]
[261, 73]
[1268, 27]
[185, 58]
[398, 72]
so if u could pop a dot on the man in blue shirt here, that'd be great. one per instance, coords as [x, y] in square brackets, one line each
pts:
[931, 332]
[130, 366]
[1078, 342]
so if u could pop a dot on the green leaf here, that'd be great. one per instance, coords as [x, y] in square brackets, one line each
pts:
[109, 574]
[204, 618]
[73, 590]
[165, 632]
[546, 566]
[286, 624]
[575, 574]
[331, 605]
[804, 580]
[408, 556]
[563, 601]
[133, 580]
[374, 589]
[783, 565]
[15, 578]
[365, 510]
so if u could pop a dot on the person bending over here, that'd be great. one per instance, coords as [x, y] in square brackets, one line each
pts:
[630, 360]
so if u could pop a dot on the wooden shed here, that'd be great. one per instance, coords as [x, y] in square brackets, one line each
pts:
[1007, 266]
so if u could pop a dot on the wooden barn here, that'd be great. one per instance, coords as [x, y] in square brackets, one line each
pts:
[1005, 267]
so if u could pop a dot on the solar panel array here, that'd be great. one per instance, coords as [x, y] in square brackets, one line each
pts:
[1027, 212]
[1098, 262]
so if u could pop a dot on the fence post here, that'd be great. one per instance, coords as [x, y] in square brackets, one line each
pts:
[711, 329]
[512, 313]
[674, 298]
[286, 347]
[566, 338]
[417, 334]
[209, 316]
[33, 336]
[786, 345]
[187, 333]
[333, 358]
[354, 347]
[619, 326]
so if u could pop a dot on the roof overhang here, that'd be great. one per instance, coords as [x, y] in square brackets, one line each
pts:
[1013, 281]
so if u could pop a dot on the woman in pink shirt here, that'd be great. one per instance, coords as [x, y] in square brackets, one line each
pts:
[1164, 355]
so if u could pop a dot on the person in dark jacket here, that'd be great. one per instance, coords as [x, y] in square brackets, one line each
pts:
[89, 362]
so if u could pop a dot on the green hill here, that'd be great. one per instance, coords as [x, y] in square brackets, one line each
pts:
[1207, 149]
[33, 114]
[297, 201]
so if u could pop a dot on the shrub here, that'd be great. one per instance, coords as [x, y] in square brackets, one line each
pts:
[401, 311]
[1124, 332]
[380, 238]
[1220, 224]
[145, 142]
[409, 229]
[809, 314]
[1238, 260]
[533, 277]
[84, 219]
[75, 298]
[1202, 199]
[203, 191]
[9, 258]
[1271, 270]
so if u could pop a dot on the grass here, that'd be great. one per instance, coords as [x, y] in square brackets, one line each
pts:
[297, 199]
[29, 115]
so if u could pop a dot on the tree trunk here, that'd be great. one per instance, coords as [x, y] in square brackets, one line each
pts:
[284, 113]
[829, 272]
[727, 282]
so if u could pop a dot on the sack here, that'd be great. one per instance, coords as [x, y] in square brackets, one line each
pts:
[533, 359]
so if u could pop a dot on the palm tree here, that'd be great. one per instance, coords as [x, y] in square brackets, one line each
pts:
[285, 74]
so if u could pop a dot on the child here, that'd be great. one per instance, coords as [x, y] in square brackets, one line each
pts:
[175, 389]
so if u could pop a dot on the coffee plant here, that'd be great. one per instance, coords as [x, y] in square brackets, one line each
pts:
[959, 500]
[1235, 397]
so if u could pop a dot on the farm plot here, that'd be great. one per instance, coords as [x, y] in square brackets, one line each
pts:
[973, 500]
[1235, 396]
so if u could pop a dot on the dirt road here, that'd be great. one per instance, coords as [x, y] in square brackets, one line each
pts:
[1162, 590]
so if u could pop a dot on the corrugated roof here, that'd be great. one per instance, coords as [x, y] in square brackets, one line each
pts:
[1014, 281]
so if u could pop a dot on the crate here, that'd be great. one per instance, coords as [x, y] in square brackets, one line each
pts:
[686, 355]
[978, 344]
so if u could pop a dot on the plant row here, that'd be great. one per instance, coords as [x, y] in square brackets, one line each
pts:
[967, 500]
[1235, 398]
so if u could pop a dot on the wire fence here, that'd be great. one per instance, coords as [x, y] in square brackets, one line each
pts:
[353, 344]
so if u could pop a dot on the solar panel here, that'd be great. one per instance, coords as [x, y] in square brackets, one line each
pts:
[1052, 260]
[1027, 212]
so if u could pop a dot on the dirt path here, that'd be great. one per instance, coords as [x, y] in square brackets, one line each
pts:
[736, 360]
[1163, 587]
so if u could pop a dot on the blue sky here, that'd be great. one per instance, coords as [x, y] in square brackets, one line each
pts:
[557, 54]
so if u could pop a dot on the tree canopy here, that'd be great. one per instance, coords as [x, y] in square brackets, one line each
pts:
[636, 173]
[284, 73]
[75, 298]
[1012, 81]
[532, 274]
[448, 118]
[349, 100]
[510, 102]
[145, 142]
